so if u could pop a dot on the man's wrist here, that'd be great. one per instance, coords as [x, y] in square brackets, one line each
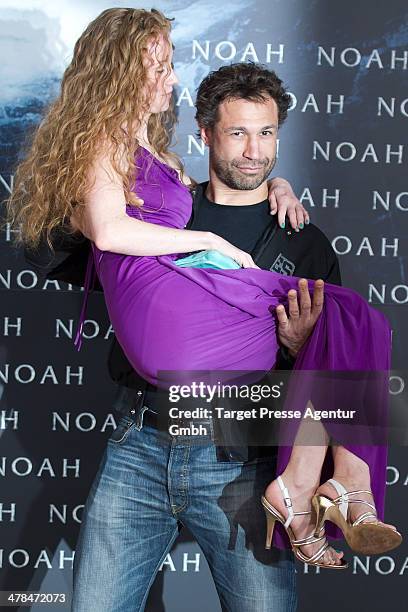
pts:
[287, 354]
[277, 181]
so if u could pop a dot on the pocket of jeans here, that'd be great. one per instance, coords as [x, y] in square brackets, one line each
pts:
[122, 431]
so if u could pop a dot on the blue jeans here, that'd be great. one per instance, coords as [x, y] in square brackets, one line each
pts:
[148, 485]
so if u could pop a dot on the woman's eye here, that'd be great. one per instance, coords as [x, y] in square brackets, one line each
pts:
[166, 68]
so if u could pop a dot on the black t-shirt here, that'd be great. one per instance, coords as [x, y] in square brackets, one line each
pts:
[240, 225]
[253, 229]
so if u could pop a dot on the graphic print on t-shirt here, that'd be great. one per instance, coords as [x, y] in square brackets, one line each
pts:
[283, 265]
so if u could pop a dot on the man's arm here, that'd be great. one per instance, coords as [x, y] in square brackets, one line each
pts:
[66, 261]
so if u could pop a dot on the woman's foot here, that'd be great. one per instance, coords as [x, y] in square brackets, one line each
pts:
[302, 526]
[353, 483]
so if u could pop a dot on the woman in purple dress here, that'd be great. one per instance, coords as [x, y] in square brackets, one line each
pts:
[107, 165]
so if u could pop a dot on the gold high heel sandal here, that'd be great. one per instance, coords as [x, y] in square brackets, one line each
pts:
[272, 515]
[369, 538]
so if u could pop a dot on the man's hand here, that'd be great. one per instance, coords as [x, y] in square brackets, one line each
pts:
[295, 330]
[284, 202]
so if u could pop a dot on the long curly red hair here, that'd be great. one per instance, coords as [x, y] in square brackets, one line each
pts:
[102, 90]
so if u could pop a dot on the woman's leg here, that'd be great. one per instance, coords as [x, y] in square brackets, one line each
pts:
[302, 477]
[345, 363]
[302, 474]
[354, 474]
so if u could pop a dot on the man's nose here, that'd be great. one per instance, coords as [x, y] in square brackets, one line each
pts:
[251, 150]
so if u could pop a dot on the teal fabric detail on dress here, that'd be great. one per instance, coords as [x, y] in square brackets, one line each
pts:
[207, 259]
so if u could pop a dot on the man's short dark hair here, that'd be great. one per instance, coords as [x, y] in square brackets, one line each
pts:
[242, 81]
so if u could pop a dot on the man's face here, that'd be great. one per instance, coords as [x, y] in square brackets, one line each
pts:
[243, 142]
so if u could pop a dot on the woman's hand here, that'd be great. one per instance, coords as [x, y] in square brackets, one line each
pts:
[284, 202]
[226, 248]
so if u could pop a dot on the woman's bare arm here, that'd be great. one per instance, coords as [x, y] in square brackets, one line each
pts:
[106, 223]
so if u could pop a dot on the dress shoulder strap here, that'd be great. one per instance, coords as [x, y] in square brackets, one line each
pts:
[88, 288]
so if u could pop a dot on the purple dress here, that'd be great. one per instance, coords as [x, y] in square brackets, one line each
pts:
[170, 318]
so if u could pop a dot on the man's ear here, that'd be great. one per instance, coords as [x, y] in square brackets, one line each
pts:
[205, 134]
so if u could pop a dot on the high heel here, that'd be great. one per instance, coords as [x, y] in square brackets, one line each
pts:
[273, 515]
[270, 525]
[370, 538]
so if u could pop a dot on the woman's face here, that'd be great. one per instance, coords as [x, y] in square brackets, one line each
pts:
[160, 74]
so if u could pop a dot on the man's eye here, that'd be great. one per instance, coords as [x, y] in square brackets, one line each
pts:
[236, 133]
[267, 133]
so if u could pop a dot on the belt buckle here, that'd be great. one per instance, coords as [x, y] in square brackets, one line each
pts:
[139, 416]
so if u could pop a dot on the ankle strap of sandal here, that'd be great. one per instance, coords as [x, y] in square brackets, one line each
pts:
[288, 503]
[344, 498]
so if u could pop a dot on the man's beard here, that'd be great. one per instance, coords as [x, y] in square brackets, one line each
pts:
[230, 175]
